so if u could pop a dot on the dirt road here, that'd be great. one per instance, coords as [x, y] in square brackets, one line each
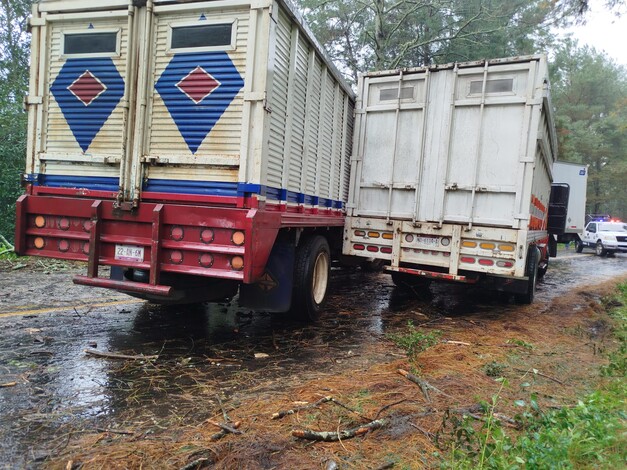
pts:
[58, 404]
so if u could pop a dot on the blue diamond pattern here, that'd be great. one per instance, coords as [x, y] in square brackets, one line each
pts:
[85, 121]
[195, 121]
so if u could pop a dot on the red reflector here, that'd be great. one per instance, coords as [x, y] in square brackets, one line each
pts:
[373, 249]
[359, 247]
[205, 260]
[64, 223]
[176, 257]
[64, 245]
[386, 249]
[467, 259]
[177, 233]
[504, 264]
[486, 262]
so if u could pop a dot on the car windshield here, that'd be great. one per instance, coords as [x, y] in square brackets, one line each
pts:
[613, 227]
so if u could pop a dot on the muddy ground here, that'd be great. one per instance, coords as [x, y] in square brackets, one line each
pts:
[62, 408]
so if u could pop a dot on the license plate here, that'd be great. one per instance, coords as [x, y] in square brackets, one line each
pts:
[431, 241]
[129, 253]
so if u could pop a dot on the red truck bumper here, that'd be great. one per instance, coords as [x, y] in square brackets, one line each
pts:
[210, 241]
[227, 243]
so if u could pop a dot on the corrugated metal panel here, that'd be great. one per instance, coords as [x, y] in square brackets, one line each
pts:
[60, 139]
[313, 130]
[348, 148]
[325, 139]
[451, 144]
[224, 138]
[278, 101]
[297, 117]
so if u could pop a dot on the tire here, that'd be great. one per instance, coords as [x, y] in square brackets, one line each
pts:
[578, 246]
[531, 270]
[311, 278]
[599, 249]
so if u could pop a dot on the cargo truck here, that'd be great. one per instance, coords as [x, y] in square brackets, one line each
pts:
[196, 147]
[451, 173]
[576, 177]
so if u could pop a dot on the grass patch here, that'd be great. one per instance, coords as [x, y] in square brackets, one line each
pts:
[589, 434]
[414, 341]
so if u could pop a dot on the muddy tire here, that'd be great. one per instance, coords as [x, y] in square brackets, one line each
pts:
[311, 278]
[599, 250]
[533, 259]
[578, 246]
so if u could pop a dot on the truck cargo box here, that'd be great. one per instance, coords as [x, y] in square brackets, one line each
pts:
[576, 177]
[158, 129]
[451, 173]
[211, 98]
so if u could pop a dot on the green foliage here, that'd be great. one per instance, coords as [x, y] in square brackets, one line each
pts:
[590, 434]
[617, 366]
[590, 94]
[494, 369]
[13, 86]
[364, 35]
[414, 341]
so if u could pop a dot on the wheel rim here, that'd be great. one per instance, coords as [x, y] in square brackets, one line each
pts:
[320, 278]
[599, 249]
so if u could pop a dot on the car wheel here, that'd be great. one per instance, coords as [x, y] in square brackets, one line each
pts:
[311, 278]
[578, 246]
[599, 249]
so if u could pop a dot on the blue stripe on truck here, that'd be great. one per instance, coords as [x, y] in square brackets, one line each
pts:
[207, 188]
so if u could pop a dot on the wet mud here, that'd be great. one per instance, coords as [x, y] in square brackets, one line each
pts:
[209, 355]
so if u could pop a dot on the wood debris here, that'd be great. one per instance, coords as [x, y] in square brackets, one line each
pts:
[334, 436]
[141, 357]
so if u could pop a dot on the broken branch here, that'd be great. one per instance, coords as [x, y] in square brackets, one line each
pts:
[334, 436]
[225, 427]
[220, 434]
[418, 381]
[284, 413]
[141, 357]
[8, 384]
[462, 343]
[115, 431]
[537, 372]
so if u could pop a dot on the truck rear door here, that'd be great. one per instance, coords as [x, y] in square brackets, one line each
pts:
[141, 100]
[81, 97]
[188, 137]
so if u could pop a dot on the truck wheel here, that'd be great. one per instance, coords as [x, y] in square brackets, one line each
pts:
[578, 246]
[531, 271]
[600, 251]
[311, 277]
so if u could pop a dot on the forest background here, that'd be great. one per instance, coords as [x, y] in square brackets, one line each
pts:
[589, 89]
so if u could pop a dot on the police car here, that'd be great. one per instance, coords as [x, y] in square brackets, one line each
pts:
[606, 236]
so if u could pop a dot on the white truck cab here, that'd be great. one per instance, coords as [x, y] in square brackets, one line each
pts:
[605, 237]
